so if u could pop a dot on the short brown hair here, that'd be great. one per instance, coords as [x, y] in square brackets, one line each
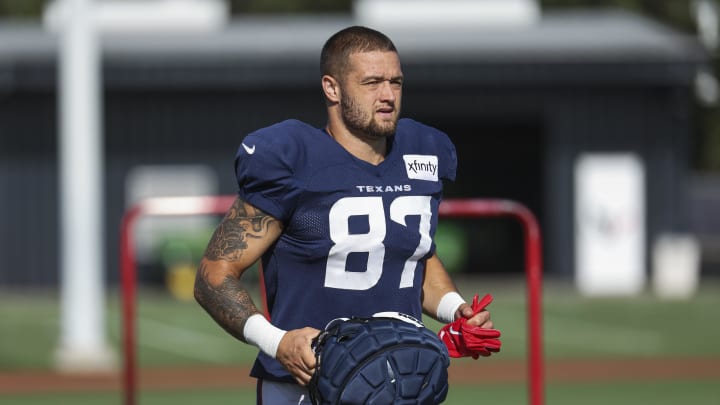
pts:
[338, 48]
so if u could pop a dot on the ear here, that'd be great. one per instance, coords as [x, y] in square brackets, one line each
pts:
[331, 88]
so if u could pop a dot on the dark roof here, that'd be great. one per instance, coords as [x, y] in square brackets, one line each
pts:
[291, 45]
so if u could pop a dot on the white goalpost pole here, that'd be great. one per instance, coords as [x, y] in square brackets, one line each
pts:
[82, 345]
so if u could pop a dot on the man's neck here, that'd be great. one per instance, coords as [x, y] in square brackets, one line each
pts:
[366, 148]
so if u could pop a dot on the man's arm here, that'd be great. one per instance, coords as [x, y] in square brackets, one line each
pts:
[436, 287]
[239, 240]
[244, 234]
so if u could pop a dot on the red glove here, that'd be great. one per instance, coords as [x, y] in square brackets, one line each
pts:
[463, 340]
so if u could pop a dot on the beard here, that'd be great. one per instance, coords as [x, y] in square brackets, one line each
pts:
[358, 120]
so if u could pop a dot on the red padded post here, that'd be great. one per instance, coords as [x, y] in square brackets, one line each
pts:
[475, 208]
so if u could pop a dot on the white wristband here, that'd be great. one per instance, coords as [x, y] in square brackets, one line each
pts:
[263, 335]
[448, 305]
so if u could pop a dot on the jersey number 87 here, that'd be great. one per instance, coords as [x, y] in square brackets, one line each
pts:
[336, 275]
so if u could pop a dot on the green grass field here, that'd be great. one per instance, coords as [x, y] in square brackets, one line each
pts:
[179, 333]
[673, 393]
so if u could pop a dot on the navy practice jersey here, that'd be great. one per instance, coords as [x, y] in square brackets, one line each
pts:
[356, 235]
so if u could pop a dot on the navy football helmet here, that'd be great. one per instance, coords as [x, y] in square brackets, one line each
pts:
[386, 359]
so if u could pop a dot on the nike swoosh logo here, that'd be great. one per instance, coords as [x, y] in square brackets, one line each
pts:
[249, 149]
[453, 331]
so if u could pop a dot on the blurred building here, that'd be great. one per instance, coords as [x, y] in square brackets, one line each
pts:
[521, 104]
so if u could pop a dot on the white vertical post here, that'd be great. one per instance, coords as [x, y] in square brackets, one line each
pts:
[82, 345]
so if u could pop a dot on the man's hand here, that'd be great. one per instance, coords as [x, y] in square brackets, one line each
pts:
[471, 334]
[295, 354]
[476, 314]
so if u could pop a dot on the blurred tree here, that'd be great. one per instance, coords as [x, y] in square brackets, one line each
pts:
[21, 8]
[674, 12]
[708, 147]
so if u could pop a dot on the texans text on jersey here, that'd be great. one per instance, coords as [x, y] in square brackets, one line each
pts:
[384, 189]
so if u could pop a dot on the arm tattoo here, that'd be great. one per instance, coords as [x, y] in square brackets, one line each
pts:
[229, 304]
[242, 222]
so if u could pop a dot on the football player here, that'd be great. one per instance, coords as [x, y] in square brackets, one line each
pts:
[342, 218]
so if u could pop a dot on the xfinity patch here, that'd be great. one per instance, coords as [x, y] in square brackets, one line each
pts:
[421, 167]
